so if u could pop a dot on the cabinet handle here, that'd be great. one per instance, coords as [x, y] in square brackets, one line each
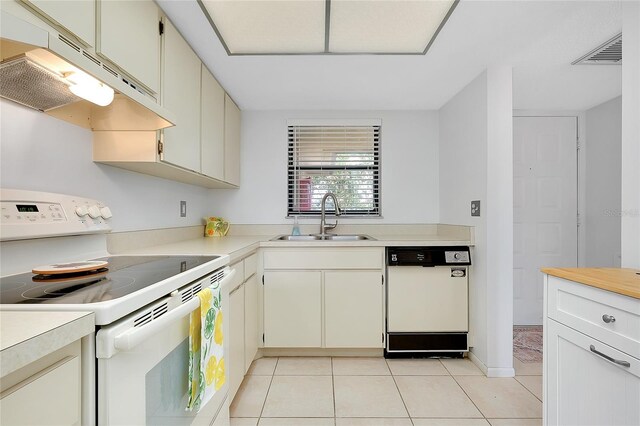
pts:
[608, 358]
[608, 318]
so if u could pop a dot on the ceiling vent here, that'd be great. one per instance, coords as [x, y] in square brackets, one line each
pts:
[608, 53]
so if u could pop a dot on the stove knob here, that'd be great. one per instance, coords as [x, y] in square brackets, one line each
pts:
[82, 211]
[94, 212]
[456, 256]
[105, 212]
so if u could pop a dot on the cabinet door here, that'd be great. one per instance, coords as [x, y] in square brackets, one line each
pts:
[353, 310]
[292, 309]
[231, 141]
[77, 17]
[250, 320]
[212, 125]
[584, 388]
[51, 397]
[129, 36]
[236, 339]
[181, 95]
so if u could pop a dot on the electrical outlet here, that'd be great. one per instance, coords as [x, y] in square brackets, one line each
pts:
[475, 208]
[183, 209]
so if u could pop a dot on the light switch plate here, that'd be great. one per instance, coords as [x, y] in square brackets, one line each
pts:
[475, 208]
[183, 209]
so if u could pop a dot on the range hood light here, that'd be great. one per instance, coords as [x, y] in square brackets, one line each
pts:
[87, 87]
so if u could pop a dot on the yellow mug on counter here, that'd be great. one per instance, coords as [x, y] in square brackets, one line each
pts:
[216, 227]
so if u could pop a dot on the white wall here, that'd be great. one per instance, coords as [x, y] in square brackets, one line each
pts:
[463, 178]
[603, 152]
[631, 135]
[476, 163]
[41, 153]
[409, 176]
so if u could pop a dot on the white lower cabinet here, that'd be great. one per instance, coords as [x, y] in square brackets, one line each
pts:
[591, 356]
[48, 394]
[586, 388]
[353, 309]
[293, 309]
[243, 318]
[250, 319]
[323, 298]
[236, 339]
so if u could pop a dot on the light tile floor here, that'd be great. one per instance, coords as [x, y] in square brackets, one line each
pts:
[324, 391]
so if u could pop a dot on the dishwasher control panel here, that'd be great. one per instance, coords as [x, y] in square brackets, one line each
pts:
[457, 257]
[428, 256]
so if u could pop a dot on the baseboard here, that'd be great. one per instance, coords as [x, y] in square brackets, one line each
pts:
[268, 352]
[478, 363]
[501, 372]
[491, 371]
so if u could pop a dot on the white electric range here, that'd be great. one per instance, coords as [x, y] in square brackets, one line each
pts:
[134, 367]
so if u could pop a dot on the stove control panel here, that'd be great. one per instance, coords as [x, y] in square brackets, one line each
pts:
[32, 214]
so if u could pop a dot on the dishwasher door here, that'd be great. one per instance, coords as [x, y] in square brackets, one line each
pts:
[427, 299]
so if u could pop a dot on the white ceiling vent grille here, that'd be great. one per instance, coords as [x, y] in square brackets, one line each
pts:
[608, 53]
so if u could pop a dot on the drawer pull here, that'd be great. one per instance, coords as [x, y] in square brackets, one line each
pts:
[608, 318]
[608, 358]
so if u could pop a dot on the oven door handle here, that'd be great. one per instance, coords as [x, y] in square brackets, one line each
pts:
[134, 336]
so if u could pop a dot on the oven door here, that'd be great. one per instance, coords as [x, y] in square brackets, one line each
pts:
[143, 369]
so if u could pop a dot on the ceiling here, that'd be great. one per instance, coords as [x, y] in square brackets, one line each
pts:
[539, 38]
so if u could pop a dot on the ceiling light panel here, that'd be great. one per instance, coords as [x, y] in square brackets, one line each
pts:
[385, 26]
[269, 27]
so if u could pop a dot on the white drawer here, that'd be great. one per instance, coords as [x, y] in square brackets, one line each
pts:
[324, 258]
[583, 308]
[250, 266]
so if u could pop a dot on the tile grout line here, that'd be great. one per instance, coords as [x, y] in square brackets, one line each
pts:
[404, 404]
[333, 389]
[470, 399]
[264, 403]
[522, 384]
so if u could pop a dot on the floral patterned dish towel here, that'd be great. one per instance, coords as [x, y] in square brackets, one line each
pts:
[206, 355]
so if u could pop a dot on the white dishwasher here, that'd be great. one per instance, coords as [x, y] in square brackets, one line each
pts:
[427, 301]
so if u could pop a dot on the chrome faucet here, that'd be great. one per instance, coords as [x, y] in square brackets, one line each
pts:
[323, 223]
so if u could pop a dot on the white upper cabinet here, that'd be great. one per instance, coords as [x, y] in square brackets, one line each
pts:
[77, 17]
[212, 125]
[231, 142]
[181, 70]
[129, 36]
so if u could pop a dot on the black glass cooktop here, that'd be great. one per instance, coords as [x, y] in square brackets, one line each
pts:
[124, 275]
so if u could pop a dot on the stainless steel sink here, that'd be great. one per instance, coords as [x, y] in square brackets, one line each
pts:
[296, 238]
[348, 237]
[317, 237]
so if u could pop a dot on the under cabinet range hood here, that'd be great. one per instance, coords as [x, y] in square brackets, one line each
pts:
[44, 70]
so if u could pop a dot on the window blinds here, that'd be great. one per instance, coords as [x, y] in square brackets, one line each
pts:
[344, 160]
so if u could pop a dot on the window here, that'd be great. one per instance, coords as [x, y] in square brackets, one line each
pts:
[344, 160]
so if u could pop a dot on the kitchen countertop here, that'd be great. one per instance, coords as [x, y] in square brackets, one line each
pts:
[238, 247]
[28, 336]
[618, 280]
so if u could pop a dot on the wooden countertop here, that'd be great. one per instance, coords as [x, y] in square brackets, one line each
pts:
[618, 280]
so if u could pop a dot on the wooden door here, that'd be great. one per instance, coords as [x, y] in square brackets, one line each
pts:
[545, 206]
